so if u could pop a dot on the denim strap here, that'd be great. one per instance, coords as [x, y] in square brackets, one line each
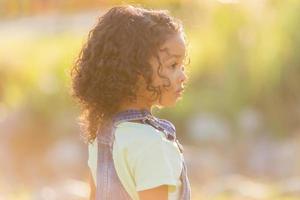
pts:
[108, 184]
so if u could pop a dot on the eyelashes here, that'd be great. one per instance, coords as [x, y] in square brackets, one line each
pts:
[175, 65]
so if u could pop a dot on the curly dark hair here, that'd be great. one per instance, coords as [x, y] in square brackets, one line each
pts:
[117, 51]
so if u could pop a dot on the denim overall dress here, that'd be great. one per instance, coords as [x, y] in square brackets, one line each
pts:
[108, 185]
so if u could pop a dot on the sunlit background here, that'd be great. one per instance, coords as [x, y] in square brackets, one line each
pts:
[239, 119]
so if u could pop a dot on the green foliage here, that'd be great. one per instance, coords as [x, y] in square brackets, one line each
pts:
[242, 55]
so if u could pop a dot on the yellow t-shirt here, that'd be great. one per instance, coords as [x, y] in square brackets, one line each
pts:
[143, 159]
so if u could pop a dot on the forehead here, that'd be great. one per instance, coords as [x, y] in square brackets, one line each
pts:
[173, 47]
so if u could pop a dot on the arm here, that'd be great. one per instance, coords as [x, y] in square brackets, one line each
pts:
[157, 193]
[92, 186]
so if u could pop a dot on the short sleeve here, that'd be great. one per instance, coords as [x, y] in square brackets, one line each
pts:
[92, 158]
[156, 164]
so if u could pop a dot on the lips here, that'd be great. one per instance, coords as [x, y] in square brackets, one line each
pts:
[179, 91]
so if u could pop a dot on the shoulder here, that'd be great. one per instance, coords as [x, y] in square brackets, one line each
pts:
[137, 133]
[136, 138]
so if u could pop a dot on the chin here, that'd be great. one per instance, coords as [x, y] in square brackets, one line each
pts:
[168, 104]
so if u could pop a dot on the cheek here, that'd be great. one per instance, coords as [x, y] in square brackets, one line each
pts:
[159, 81]
[170, 81]
[168, 100]
[167, 79]
[168, 94]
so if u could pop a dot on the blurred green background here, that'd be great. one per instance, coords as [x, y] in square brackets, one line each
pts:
[239, 119]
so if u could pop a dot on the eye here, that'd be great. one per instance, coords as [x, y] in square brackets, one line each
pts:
[173, 66]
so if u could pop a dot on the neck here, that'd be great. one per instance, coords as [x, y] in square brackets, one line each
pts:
[135, 106]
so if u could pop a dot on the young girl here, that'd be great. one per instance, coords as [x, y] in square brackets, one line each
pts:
[133, 60]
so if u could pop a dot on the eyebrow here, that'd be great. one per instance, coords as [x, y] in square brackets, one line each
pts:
[174, 55]
[169, 54]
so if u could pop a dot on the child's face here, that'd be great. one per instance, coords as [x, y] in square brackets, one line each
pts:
[172, 55]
